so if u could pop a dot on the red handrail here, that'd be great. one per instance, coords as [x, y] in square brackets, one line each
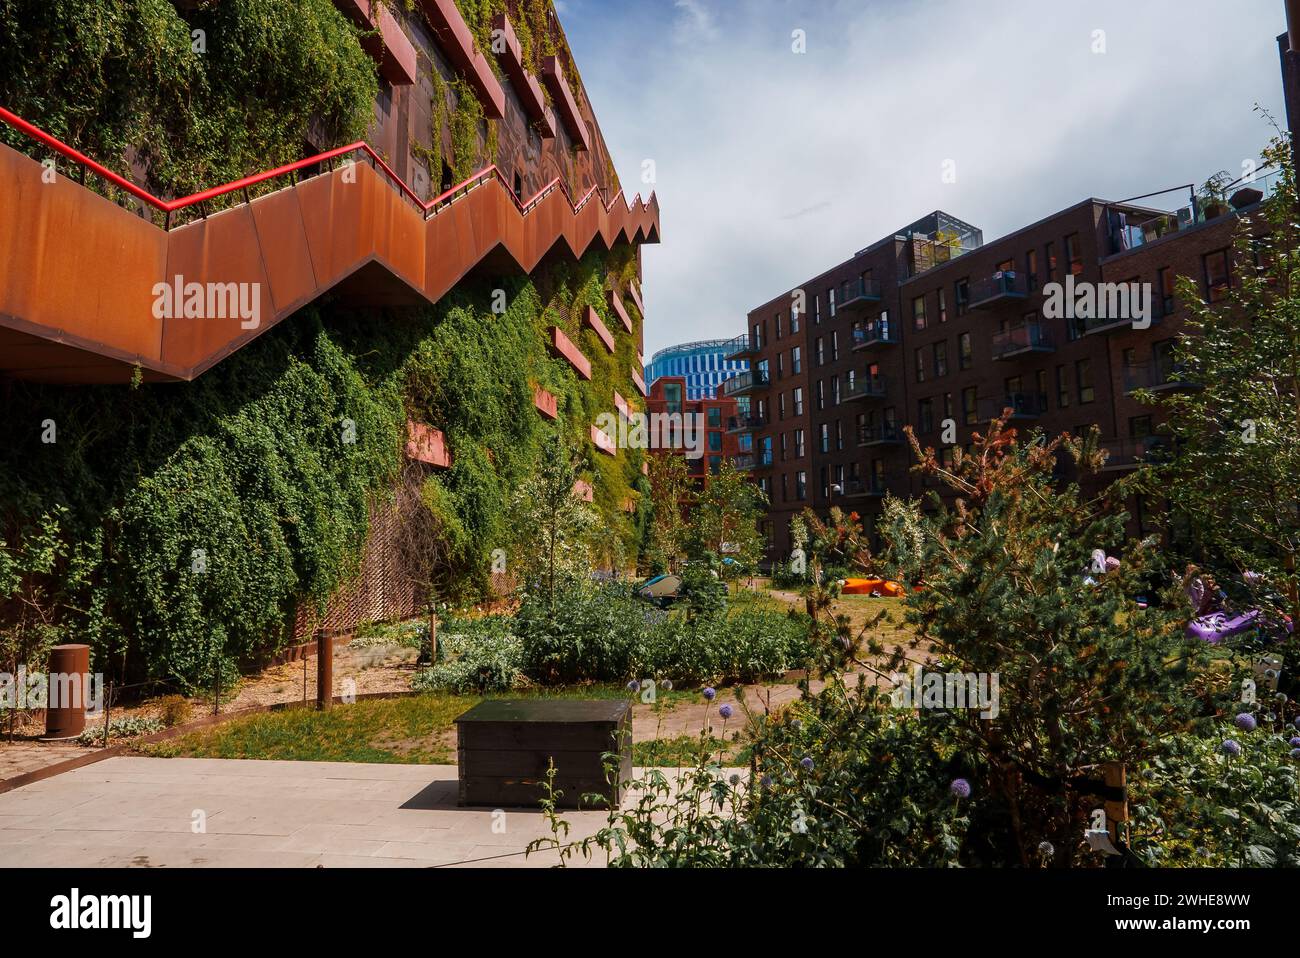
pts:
[171, 206]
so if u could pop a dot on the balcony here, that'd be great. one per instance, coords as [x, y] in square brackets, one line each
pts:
[886, 434]
[749, 461]
[1021, 405]
[1134, 227]
[1126, 454]
[1004, 286]
[857, 296]
[742, 347]
[1093, 325]
[867, 387]
[1160, 376]
[1022, 339]
[874, 334]
[737, 424]
[873, 488]
[756, 380]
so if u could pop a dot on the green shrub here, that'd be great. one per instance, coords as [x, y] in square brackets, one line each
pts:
[119, 728]
[174, 710]
[475, 656]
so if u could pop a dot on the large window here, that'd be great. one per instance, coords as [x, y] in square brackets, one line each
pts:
[800, 450]
[969, 403]
[943, 306]
[918, 313]
[798, 401]
[1074, 253]
[941, 358]
[824, 437]
[961, 292]
[965, 352]
[920, 365]
[715, 416]
[1216, 275]
[1083, 376]
[796, 361]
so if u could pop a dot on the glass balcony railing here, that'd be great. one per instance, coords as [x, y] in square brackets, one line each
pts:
[752, 381]
[1124, 454]
[1025, 338]
[857, 296]
[1020, 405]
[746, 462]
[865, 387]
[745, 423]
[1002, 285]
[741, 346]
[874, 334]
[872, 488]
[1158, 376]
[1134, 228]
[885, 434]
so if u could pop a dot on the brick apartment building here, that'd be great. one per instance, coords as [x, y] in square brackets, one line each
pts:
[668, 395]
[934, 324]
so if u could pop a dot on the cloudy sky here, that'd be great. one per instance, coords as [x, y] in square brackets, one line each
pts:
[773, 166]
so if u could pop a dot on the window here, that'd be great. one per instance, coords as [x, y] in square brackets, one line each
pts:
[941, 358]
[947, 406]
[821, 394]
[715, 416]
[778, 326]
[1216, 275]
[925, 415]
[835, 345]
[785, 487]
[1083, 375]
[968, 406]
[758, 334]
[715, 464]
[839, 434]
[1063, 387]
[824, 439]
[794, 321]
[1040, 378]
[1165, 282]
[798, 401]
[1139, 427]
[715, 442]
[835, 390]
[796, 361]
[920, 365]
[965, 352]
[785, 446]
[1013, 385]
[801, 485]
[830, 298]
[799, 450]
[780, 365]
[918, 313]
[1051, 263]
[825, 474]
[821, 351]
[943, 306]
[1031, 268]
[961, 293]
[1074, 253]
[817, 310]
[780, 407]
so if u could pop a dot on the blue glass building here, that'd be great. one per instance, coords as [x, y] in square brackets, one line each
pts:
[700, 364]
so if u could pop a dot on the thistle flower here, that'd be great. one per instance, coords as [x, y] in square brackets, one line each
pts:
[1246, 722]
[666, 685]
[725, 711]
[807, 763]
[960, 788]
[709, 694]
[1046, 849]
[766, 781]
[1230, 747]
[1295, 754]
[1295, 742]
[634, 686]
[734, 780]
[796, 725]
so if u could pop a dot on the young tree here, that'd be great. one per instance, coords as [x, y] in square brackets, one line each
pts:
[725, 518]
[552, 523]
[1232, 479]
[426, 536]
[670, 487]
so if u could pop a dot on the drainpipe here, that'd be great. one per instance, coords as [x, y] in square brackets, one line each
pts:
[1293, 25]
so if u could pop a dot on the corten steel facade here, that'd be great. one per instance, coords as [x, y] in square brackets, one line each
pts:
[715, 420]
[381, 232]
[920, 328]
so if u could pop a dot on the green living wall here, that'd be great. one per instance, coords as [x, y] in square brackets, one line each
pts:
[176, 526]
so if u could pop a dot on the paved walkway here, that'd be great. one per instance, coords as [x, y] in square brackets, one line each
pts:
[140, 812]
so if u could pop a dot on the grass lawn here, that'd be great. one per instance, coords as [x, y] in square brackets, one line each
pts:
[417, 730]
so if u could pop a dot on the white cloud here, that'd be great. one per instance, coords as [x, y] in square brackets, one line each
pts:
[773, 166]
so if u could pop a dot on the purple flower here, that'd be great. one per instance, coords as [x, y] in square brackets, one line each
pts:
[709, 694]
[766, 781]
[634, 686]
[725, 711]
[807, 763]
[666, 685]
[1230, 747]
[1295, 742]
[734, 780]
[1296, 723]
[1295, 754]
[960, 788]
[1246, 722]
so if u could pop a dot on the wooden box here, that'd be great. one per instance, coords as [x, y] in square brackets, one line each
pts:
[505, 747]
